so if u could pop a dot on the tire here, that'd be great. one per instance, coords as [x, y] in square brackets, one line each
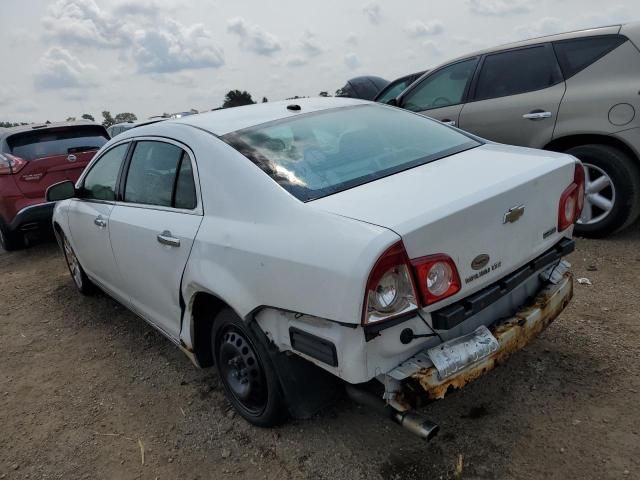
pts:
[247, 373]
[84, 285]
[10, 240]
[616, 204]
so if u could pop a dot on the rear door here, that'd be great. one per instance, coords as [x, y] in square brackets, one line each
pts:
[441, 95]
[54, 155]
[152, 230]
[515, 97]
[89, 220]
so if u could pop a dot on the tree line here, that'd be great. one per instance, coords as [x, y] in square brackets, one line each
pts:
[233, 98]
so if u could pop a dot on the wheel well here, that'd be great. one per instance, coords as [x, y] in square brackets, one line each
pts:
[564, 143]
[205, 308]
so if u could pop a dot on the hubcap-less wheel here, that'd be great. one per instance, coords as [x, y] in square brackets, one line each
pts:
[599, 195]
[72, 262]
[241, 371]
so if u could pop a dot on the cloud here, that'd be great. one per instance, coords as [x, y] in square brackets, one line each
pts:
[432, 48]
[142, 31]
[59, 69]
[352, 39]
[173, 47]
[351, 60]
[6, 96]
[373, 13]
[297, 61]
[500, 8]
[253, 37]
[310, 46]
[82, 22]
[418, 28]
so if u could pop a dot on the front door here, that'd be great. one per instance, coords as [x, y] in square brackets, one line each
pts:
[153, 229]
[516, 97]
[89, 218]
[441, 95]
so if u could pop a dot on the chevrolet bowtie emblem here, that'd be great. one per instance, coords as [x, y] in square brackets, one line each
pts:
[513, 214]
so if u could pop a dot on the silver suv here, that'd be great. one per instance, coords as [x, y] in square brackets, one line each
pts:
[576, 92]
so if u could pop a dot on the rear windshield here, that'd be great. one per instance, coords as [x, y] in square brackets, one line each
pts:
[322, 153]
[57, 141]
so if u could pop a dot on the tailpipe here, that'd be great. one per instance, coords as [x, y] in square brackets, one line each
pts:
[409, 419]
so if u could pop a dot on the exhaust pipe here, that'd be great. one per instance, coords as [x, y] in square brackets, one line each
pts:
[410, 419]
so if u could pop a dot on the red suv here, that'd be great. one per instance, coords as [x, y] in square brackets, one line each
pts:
[32, 158]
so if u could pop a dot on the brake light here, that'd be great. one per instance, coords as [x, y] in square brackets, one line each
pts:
[572, 200]
[390, 291]
[437, 278]
[10, 164]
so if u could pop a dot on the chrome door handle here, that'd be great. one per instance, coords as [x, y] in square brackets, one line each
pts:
[100, 222]
[536, 115]
[451, 123]
[166, 238]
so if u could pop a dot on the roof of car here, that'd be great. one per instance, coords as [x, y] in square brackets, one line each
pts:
[221, 122]
[589, 32]
[6, 132]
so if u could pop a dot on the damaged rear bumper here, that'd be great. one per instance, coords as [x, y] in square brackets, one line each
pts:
[512, 334]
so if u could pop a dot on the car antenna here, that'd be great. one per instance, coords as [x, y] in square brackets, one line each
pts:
[294, 107]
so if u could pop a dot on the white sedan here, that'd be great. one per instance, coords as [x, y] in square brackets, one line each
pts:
[383, 247]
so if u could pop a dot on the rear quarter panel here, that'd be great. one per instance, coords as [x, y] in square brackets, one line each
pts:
[591, 94]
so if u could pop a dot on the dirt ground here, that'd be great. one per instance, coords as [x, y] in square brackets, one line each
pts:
[84, 384]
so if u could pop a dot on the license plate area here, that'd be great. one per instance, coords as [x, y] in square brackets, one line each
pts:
[456, 354]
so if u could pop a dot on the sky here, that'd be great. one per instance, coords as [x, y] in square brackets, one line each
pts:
[63, 58]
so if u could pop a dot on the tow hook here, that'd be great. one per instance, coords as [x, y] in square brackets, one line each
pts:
[409, 419]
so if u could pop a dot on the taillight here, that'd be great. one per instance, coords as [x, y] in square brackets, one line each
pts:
[572, 200]
[437, 278]
[10, 164]
[390, 290]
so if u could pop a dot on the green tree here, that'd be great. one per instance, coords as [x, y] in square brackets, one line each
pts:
[108, 119]
[323, 94]
[125, 117]
[236, 98]
[265, 99]
[71, 119]
[86, 116]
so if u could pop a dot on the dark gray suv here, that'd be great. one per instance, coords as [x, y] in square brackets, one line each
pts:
[575, 92]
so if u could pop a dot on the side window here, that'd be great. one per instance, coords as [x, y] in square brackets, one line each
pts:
[517, 71]
[443, 88]
[185, 196]
[152, 173]
[100, 182]
[576, 55]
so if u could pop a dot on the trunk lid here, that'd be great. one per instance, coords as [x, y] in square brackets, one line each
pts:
[54, 155]
[460, 206]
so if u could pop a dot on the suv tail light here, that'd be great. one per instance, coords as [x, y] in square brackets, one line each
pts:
[390, 291]
[437, 277]
[572, 200]
[10, 164]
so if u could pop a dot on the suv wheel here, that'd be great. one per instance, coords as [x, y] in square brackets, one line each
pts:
[247, 373]
[612, 190]
[10, 240]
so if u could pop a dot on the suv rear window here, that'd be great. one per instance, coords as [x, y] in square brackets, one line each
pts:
[576, 55]
[318, 154]
[57, 141]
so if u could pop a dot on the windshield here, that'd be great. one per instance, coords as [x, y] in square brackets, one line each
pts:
[57, 141]
[318, 154]
[393, 91]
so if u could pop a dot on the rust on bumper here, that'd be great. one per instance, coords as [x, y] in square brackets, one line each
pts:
[512, 335]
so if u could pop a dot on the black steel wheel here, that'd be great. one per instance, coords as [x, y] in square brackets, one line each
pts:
[247, 373]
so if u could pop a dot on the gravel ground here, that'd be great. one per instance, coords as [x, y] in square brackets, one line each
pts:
[85, 386]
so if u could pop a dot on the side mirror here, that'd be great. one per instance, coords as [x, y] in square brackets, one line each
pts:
[61, 191]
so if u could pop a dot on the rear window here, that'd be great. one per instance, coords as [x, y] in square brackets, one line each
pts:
[576, 55]
[322, 153]
[57, 141]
